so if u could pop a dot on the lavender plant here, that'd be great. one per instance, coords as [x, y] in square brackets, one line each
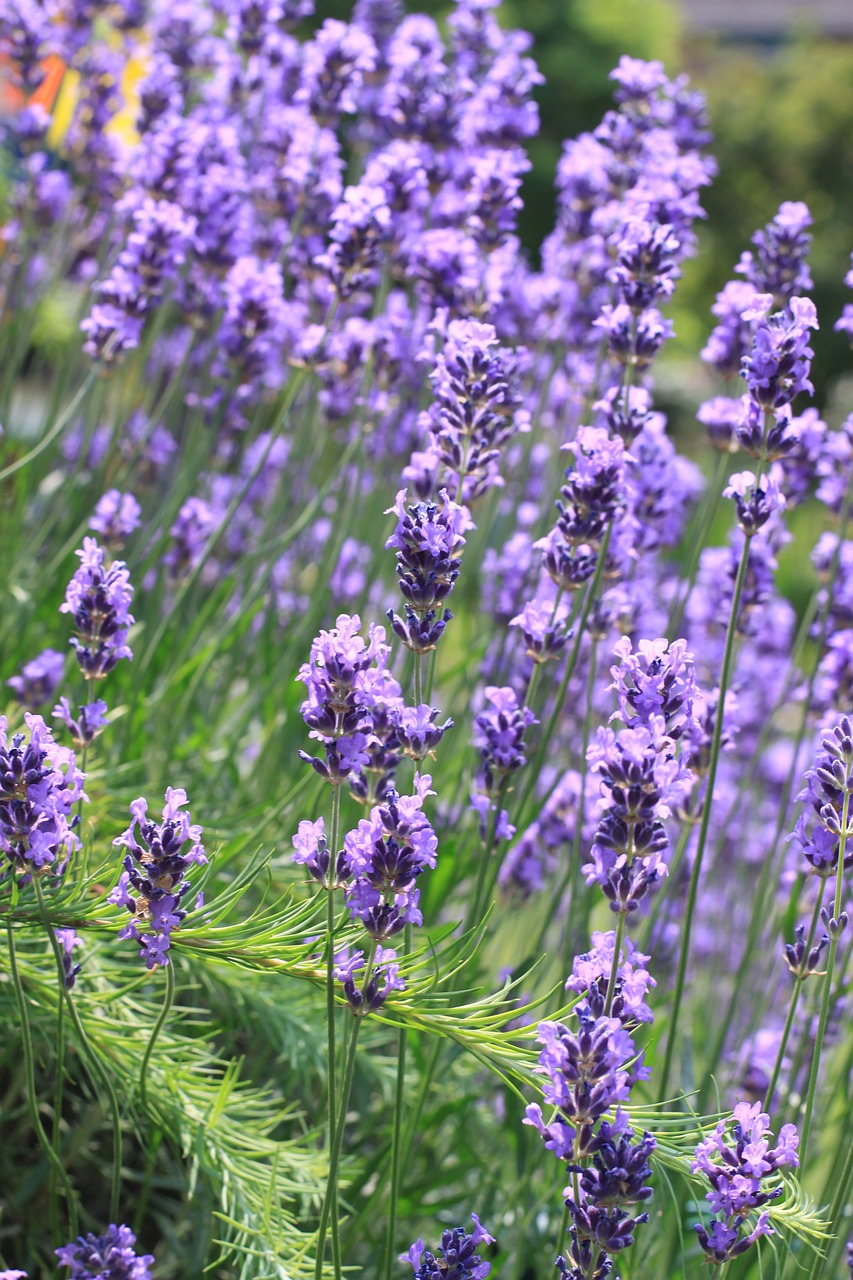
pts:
[535, 887]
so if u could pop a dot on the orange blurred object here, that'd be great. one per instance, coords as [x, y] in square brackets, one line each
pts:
[45, 94]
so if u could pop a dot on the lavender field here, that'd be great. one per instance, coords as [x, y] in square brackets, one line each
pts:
[423, 817]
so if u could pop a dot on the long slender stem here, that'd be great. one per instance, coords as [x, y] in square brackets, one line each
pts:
[56, 1130]
[418, 678]
[397, 1134]
[827, 985]
[580, 627]
[614, 968]
[704, 520]
[716, 743]
[29, 1071]
[573, 871]
[331, 1069]
[485, 878]
[331, 1196]
[49, 436]
[158, 1027]
[842, 1190]
[96, 1067]
[792, 1006]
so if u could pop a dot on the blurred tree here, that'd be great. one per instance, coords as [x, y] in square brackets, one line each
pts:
[783, 126]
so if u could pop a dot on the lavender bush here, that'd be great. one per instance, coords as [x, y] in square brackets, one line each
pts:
[524, 791]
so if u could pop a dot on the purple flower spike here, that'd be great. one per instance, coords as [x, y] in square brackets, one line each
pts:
[68, 940]
[385, 855]
[98, 598]
[542, 625]
[477, 406]
[116, 516]
[112, 1255]
[91, 720]
[416, 731]
[39, 679]
[591, 974]
[384, 979]
[153, 883]
[458, 1256]
[818, 832]
[736, 1164]
[777, 368]
[499, 738]
[647, 264]
[428, 540]
[39, 786]
[779, 264]
[755, 502]
[658, 679]
[642, 776]
[312, 852]
[340, 680]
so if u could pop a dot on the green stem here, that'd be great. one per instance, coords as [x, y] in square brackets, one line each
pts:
[573, 871]
[49, 436]
[542, 746]
[158, 1027]
[397, 1134]
[842, 1190]
[485, 881]
[792, 1006]
[614, 968]
[705, 518]
[96, 1067]
[716, 743]
[827, 985]
[418, 678]
[334, 837]
[331, 1195]
[56, 1131]
[29, 1071]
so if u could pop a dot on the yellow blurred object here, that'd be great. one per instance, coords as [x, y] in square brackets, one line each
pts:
[123, 123]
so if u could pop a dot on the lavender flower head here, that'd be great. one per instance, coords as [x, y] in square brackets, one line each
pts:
[779, 265]
[844, 324]
[68, 940]
[585, 1075]
[499, 739]
[590, 499]
[416, 732]
[755, 501]
[39, 786]
[642, 777]
[385, 854]
[312, 852]
[658, 679]
[476, 406]
[736, 1165]
[827, 798]
[39, 679]
[591, 973]
[338, 707]
[428, 541]
[98, 598]
[777, 368]
[153, 883]
[542, 624]
[116, 516]
[111, 1256]
[376, 987]
[90, 720]
[458, 1257]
